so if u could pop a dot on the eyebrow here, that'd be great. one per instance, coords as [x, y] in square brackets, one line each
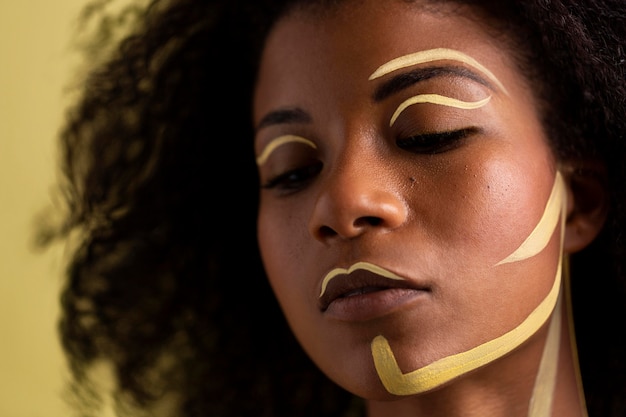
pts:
[407, 79]
[430, 55]
[284, 116]
[400, 81]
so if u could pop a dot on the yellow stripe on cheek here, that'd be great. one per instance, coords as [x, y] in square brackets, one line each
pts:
[281, 140]
[438, 99]
[541, 234]
[450, 367]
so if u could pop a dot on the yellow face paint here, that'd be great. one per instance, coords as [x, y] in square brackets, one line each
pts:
[359, 265]
[448, 368]
[540, 236]
[438, 99]
[431, 55]
[281, 140]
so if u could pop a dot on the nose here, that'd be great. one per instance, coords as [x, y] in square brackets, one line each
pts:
[356, 198]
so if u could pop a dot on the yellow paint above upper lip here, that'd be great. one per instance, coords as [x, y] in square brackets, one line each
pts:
[431, 55]
[359, 265]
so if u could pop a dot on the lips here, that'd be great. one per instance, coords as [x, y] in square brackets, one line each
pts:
[363, 294]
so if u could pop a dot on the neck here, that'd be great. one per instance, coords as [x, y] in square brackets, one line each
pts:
[501, 389]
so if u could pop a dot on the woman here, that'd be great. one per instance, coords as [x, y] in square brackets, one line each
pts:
[426, 170]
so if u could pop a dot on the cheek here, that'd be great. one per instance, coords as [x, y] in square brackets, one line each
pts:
[504, 213]
[499, 203]
[492, 205]
[488, 206]
[280, 237]
[290, 268]
[274, 250]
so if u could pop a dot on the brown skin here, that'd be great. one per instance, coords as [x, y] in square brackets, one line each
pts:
[441, 220]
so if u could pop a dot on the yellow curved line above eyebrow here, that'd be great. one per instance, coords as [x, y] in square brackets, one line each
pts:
[281, 140]
[438, 99]
[430, 55]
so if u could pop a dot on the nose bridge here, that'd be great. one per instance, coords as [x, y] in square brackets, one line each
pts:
[354, 166]
[357, 193]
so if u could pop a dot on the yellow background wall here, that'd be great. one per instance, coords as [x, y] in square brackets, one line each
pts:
[36, 62]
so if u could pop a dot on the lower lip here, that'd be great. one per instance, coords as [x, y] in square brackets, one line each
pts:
[373, 305]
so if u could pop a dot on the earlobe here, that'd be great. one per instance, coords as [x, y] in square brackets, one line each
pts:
[587, 203]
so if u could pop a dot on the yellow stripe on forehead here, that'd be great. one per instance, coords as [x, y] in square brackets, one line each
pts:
[430, 55]
[281, 140]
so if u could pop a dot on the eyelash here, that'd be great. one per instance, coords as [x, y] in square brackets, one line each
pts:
[429, 143]
[434, 143]
[295, 179]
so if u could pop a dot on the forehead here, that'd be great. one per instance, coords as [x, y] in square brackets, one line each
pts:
[346, 44]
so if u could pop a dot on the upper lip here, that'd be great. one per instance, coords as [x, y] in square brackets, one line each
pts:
[361, 281]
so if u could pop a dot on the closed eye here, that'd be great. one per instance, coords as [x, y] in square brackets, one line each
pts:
[437, 142]
[295, 179]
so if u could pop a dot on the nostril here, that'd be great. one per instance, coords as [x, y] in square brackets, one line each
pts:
[368, 221]
[341, 215]
[358, 225]
[326, 232]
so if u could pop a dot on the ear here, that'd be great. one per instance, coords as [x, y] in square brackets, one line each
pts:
[587, 202]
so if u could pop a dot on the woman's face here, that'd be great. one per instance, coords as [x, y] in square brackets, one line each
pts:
[428, 173]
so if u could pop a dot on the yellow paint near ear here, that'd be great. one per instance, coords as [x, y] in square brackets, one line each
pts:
[448, 368]
[540, 236]
[541, 399]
